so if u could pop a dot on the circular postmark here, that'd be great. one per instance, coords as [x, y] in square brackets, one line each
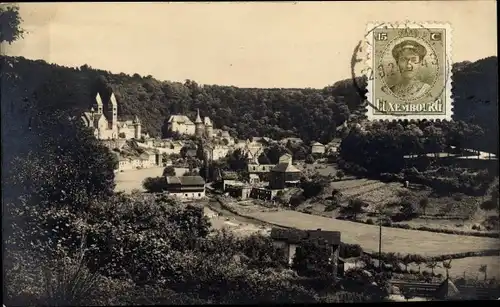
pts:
[401, 64]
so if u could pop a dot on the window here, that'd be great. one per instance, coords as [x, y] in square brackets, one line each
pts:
[199, 194]
[185, 195]
[254, 168]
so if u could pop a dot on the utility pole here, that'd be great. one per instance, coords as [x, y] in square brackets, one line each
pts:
[380, 239]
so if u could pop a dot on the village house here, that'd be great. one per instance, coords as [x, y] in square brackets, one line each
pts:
[104, 122]
[284, 174]
[261, 170]
[317, 148]
[253, 179]
[147, 159]
[186, 187]
[237, 189]
[216, 152]
[289, 239]
[181, 124]
[286, 158]
[333, 146]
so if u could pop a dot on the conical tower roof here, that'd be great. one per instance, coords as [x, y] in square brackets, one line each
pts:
[447, 289]
[198, 118]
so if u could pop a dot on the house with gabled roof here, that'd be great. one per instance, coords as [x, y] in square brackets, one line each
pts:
[284, 175]
[185, 187]
[289, 239]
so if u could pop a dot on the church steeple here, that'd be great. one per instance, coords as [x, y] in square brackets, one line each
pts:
[198, 118]
[199, 127]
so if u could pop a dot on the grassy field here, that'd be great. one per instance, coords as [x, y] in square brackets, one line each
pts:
[393, 239]
[132, 179]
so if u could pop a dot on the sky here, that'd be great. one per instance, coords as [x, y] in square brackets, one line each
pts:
[290, 45]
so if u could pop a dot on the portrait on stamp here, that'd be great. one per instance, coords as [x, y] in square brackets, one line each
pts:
[409, 56]
[410, 72]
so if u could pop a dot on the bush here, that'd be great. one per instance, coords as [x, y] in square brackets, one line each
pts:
[350, 250]
[369, 222]
[155, 184]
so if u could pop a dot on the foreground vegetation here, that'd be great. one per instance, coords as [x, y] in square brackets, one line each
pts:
[70, 240]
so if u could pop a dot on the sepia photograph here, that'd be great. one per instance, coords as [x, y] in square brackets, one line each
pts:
[189, 153]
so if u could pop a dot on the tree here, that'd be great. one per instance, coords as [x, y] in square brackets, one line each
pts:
[314, 258]
[484, 269]
[309, 159]
[407, 210]
[274, 152]
[340, 174]
[447, 266]
[200, 153]
[313, 187]
[300, 153]
[424, 202]
[155, 184]
[263, 159]
[169, 171]
[407, 259]
[432, 265]
[355, 206]
[10, 23]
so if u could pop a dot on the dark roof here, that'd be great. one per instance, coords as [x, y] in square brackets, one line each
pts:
[295, 236]
[186, 180]
[285, 167]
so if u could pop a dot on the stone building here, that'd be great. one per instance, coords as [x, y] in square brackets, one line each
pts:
[201, 128]
[103, 120]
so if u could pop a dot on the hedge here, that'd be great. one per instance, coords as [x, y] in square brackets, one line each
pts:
[412, 258]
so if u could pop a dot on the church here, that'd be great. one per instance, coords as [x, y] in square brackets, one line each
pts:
[103, 120]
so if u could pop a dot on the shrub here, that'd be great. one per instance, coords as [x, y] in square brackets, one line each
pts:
[350, 250]
[369, 221]
[155, 184]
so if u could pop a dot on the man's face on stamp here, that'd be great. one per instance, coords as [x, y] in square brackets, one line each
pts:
[410, 73]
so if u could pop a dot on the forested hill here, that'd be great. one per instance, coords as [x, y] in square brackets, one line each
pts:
[309, 113]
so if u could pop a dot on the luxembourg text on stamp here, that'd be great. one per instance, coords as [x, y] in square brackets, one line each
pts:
[408, 70]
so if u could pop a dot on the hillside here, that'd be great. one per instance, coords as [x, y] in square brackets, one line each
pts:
[309, 113]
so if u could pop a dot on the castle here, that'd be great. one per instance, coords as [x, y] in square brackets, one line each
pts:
[105, 129]
[201, 128]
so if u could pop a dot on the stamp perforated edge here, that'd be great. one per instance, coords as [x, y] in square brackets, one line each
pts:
[448, 70]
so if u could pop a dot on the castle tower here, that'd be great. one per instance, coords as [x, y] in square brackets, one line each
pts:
[209, 128]
[98, 102]
[113, 105]
[137, 128]
[198, 124]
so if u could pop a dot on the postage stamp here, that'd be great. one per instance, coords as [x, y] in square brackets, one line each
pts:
[408, 71]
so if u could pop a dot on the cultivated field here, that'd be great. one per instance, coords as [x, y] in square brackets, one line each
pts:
[393, 239]
[234, 224]
[132, 179]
